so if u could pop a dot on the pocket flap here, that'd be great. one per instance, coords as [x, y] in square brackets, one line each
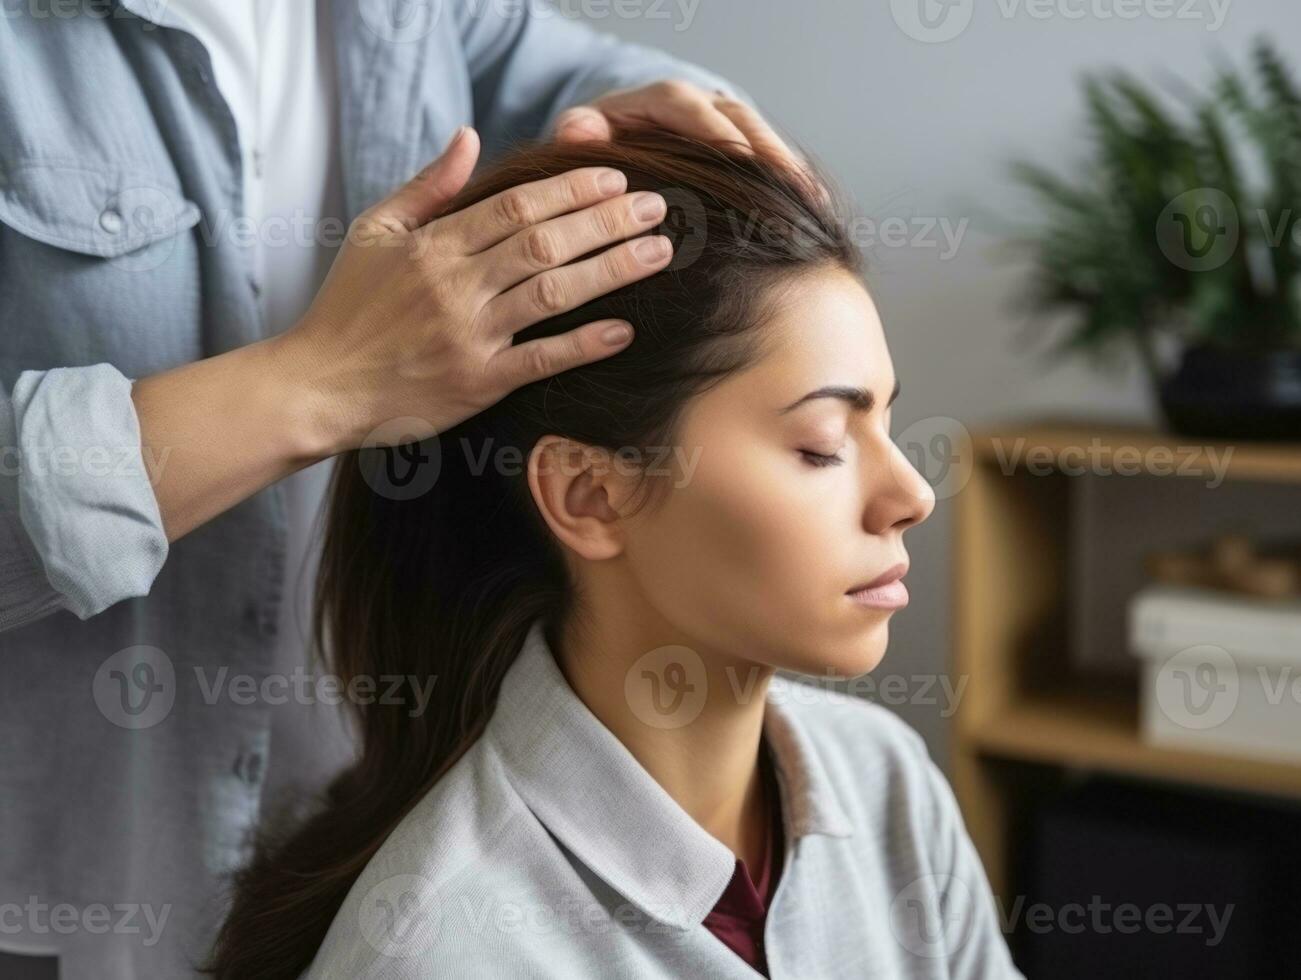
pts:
[93, 210]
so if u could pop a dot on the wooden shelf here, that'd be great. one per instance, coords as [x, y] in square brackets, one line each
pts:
[1101, 732]
[1027, 718]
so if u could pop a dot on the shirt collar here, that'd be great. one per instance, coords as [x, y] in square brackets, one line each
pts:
[598, 800]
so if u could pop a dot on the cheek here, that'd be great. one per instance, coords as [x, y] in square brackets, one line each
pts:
[752, 555]
[744, 547]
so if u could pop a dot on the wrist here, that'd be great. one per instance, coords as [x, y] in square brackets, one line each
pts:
[313, 421]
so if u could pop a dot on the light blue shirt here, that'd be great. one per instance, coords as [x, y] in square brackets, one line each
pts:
[134, 756]
[547, 851]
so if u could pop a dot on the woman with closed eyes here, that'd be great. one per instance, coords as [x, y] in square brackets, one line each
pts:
[611, 597]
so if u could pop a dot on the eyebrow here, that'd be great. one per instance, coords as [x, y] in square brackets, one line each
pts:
[859, 399]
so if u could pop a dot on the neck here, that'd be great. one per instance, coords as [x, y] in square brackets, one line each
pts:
[708, 764]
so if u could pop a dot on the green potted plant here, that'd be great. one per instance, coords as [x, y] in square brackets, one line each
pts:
[1166, 247]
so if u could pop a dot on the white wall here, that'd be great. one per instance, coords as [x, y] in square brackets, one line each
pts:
[921, 130]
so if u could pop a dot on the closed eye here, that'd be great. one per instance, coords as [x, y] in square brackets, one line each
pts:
[820, 459]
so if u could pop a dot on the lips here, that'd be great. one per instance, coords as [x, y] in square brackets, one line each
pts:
[886, 591]
[891, 574]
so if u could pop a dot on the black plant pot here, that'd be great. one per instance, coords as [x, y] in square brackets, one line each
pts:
[1221, 393]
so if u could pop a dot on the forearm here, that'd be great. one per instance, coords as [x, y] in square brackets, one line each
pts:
[216, 431]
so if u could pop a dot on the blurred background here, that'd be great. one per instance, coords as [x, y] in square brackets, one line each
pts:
[1078, 221]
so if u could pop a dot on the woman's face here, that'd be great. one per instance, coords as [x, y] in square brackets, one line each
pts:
[793, 502]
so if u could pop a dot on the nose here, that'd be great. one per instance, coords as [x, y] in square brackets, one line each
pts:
[899, 496]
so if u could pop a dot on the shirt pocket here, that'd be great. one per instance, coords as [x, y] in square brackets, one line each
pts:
[97, 263]
[94, 211]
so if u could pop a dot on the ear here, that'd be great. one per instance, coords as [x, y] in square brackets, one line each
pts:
[579, 490]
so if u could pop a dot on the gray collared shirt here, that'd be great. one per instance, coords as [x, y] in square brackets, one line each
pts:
[547, 851]
[135, 696]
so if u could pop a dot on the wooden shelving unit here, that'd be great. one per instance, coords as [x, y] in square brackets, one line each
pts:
[1028, 718]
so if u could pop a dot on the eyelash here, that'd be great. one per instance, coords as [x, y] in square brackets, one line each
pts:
[820, 459]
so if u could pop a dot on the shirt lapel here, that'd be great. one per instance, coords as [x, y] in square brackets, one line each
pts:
[596, 798]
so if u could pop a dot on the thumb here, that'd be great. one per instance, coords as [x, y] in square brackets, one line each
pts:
[424, 196]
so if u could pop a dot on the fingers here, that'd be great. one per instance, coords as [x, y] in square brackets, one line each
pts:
[523, 364]
[676, 105]
[490, 221]
[762, 138]
[583, 123]
[423, 197]
[559, 290]
[765, 141]
[558, 241]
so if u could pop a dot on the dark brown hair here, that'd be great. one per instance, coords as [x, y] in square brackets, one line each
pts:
[445, 584]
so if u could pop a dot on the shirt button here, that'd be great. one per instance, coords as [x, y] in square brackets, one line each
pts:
[111, 221]
[248, 767]
[260, 620]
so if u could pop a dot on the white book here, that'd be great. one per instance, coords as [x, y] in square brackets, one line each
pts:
[1167, 618]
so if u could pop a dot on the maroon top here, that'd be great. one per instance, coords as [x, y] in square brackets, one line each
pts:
[738, 917]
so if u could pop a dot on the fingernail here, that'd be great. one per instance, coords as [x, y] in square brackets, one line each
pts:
[648, 206]
[651, 249]
[611, 182]
[616, 335]
[456, 137]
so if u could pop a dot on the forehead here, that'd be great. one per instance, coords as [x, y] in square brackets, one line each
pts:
[824, 329]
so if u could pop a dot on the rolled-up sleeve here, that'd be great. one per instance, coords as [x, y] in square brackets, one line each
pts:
[80, 527]
[528, 63]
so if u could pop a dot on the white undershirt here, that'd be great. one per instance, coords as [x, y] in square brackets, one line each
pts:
[276, 71]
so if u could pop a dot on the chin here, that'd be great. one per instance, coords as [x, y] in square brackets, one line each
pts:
[867, 657]
[859, 655]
